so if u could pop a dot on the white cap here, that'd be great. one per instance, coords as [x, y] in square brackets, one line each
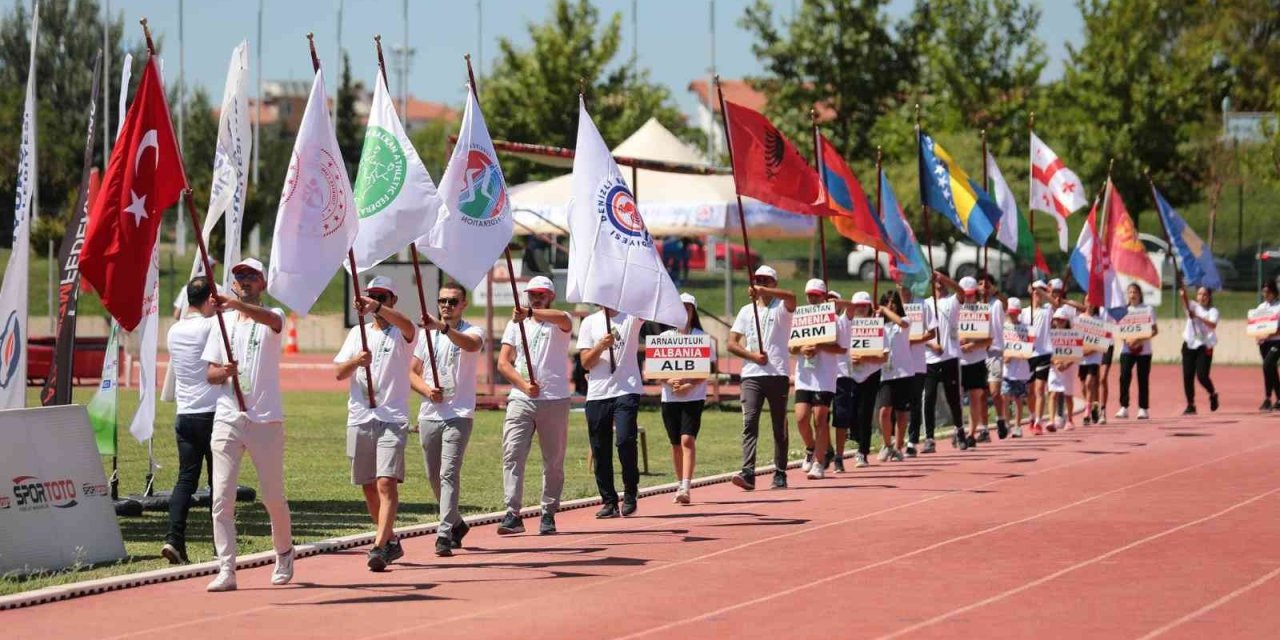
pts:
[862, 297]
[382, 283]
[968, 284]
[687, 298]
[250, 263]
[540, 283]
[835, 295]
[766, 271]
[1039, 284]
[1015, 305]
[815, 285]
[1056, 284]
[1063, 313]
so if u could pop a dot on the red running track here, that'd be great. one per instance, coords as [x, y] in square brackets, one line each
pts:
[1166, 528]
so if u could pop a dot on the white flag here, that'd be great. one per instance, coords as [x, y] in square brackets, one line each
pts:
[612, 260]
[1007, 233]
[1055, 189]
[395, 197]
[474, 224]
[316, 222]
[13, 294]
[144, 418]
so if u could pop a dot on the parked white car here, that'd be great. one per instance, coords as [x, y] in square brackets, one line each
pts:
[964, 261]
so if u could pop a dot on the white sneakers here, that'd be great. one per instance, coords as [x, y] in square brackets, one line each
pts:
[1123, 412]
[226, 581]
[859, 460]
[807, 464]
[816, 472]
[284, 568]
[885, 452]
[682, 496]
[1142, 414]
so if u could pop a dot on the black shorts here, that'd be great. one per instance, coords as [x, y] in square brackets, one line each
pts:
[682, 419]
[1040, 366]
[897, 393]
[973, 376]
[814, 398]
[1086, 370]
[842, 405]
[1106, 357]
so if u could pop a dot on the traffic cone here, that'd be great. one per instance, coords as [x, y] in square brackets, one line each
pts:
[291, 338]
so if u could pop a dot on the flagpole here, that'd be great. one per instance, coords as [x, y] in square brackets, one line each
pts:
[506, 252]
[1031, 212]
[1103, 238]
[986, 247]
[822, 220]
[351, 258]
[204, 251]
[413, 249]
[875, 285]
[924, 213]
[608, 324]
[1164, 226]
[742, 218]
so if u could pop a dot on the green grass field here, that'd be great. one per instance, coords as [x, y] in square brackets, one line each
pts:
[324, 503]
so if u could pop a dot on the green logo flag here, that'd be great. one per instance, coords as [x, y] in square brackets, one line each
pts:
[395, 196]
[102, 408]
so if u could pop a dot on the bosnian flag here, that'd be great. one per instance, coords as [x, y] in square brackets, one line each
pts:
[1055, 189]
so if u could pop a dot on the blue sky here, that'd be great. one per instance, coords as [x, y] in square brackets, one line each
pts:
[672, 35]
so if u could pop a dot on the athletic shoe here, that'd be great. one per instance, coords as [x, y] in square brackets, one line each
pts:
[1097, 414]
[1102, 416]
[984, 435]
[284, 568]
[682, 496]
[1085, 419]
[1143, 415]
[839, 465]
[929, 446]
[1213, 402]
[628, 504]
[1016, 432]
[816, 472]
[1123, 413]
[779, 479]
[458, 532]
[859, 460]
[511, 523]
[911, 450]
[960, 443]
[548, 526]
[1051, 426]
[744, 481]
[376, 560]
[1002, 429]
[609, 510]
[444, 548]
[394, 550]
[1266, 405]
[808, 461]
[1069, 425]
[885, 452]
[830, 457]
[896, 455]
[970, 442]
[226, 581]
[1036, 429]
[1058, 422]
[1189, 411]
[173, 554]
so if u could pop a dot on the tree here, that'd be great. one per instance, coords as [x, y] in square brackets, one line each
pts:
[531, 94]
[350, 134]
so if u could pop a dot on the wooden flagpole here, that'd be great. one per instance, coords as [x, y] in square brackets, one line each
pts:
[742, 219]
[1031, 212]
[875, 285]
[822, 175]
[986, 248]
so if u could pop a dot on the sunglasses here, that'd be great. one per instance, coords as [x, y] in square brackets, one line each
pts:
[449, 302]
[247, 276]
[380, 298]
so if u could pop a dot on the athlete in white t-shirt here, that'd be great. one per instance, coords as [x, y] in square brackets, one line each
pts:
[815, 375]
[538, 402]
[918, 361]
[613, 402]
[255, 334]
[1136, 353]
[1199, 337]
[449, 392]
[682, 402]
[943, 357]
[376, 434]
[1269, 348]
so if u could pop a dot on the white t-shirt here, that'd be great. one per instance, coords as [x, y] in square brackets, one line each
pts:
[976, 354]
[817, 373]
[257, 351]
[549, 348]
[844, 336]
[1063, 381]
[1040, 326]
[775, 321]
[1197, 334]
[920, 351]
[1145, 350]
[997, 321]
[1270, 306]
[900, 363]
[1016, 368]
[390, 366]
[187, 339]
[457, 369]
[602, 385]
[948, 329]
[697, 391]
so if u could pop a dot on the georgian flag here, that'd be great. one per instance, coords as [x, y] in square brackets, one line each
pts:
[1055, 189]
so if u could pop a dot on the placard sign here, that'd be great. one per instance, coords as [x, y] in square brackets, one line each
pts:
[1097, 335]
[1019, 344]
[866, 336]
[1263, 322]
[677, 356]
[1068, 345]
[915, 315]
[813, 324]
[974, 321]
[1136, 324]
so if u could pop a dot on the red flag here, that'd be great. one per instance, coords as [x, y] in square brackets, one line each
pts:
[767, 167]
[845, 197]
[1124, 250]
[143, 178]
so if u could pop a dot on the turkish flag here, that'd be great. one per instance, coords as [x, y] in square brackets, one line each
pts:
[143, 178]
[767, 167]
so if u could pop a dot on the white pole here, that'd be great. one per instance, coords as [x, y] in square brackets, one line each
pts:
[255, 237]
[180, 239]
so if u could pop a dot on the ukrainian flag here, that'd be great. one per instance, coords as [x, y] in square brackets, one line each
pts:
[947, 189]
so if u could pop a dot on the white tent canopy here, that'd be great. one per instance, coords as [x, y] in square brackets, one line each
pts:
[671, 203]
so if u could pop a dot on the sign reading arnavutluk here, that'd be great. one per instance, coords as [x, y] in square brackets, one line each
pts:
[915, 315]
[677, 356]
[866, 336]
[974, 322]
[813, 324]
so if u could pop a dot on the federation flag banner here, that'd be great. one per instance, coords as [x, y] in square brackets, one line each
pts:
[1198, 269]
[948, 190]
[612, 258]
[767, 167]
[316, 221]
[1013, 231]
[474, 225]
[395, 196]
[102, 406]
[13, 294]
[144, 178]
[1055, 189]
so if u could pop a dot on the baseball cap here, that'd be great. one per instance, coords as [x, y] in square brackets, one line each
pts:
[1039, 284]
[766, 271]
[687, 298]
[862, 297]
[250, 263]
[540, 283]
[1015, 305]
[1063, 313]
[381, 283]
[1056, 284]
[815, 285]
[968, 284]
[835, 295]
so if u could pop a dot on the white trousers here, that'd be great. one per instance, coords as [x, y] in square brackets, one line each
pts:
[264, 441]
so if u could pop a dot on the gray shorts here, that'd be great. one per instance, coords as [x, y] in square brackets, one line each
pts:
[995, 368]
[376, 450]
